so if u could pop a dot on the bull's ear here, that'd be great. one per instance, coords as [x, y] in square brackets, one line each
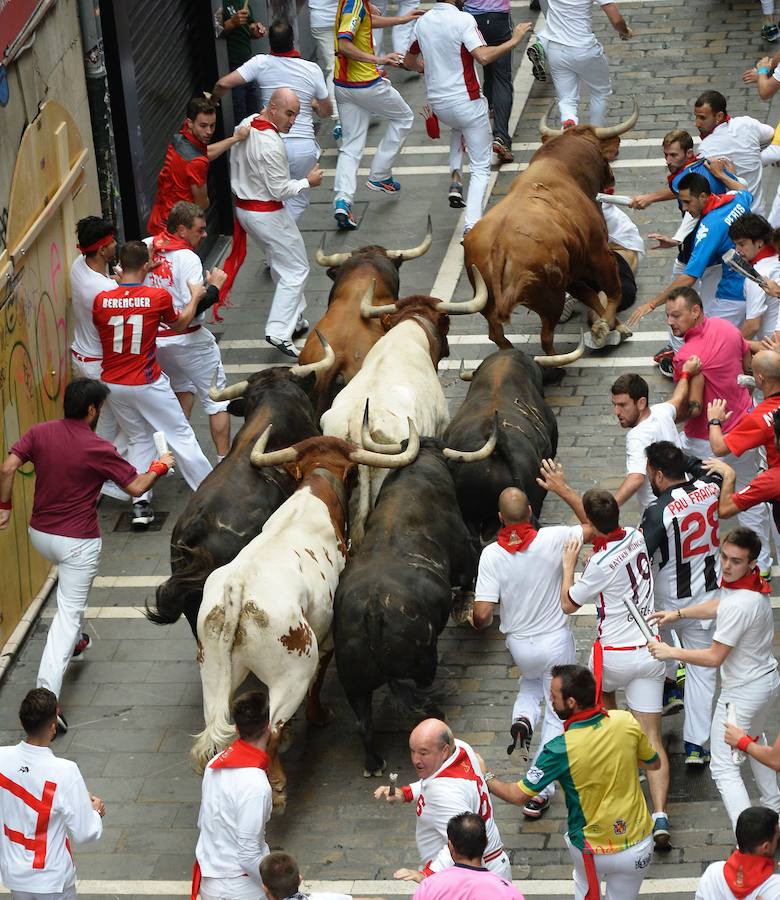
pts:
[331, 272]
[306, 382]
[237, 407]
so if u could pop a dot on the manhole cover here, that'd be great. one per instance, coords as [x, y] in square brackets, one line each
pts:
[125, 522]
[690, 783]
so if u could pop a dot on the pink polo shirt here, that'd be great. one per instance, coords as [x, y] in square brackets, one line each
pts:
[721, 349]
[461, 882]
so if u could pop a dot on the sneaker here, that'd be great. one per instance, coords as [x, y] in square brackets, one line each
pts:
[673, 699]
[343, 216]
[337, 131]
[680, 675]
[286, 347]
[388, 186]
[62, 725]
[663, 353]
[503, 152]
[666, 366]
[521, 731]
[301, 327]
[143, 514]
[569, 305]
[661, 837]
[767, 575]
[456, 195]
[696, 755]
[83, 643]
[538, 57]
[770, 33]
[536, 807]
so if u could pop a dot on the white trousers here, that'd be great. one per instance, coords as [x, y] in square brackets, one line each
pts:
[230, 889]
[279, 238]
[469, 119]
[623, 871]
[143, 409]
[754, 704]
[770, 155]
[77, 561]
[570, 67]
[325, 51]
[534, 657]
[190, 361]
[402, 34]
[746, 468]
[69, 893]
[356, 106]
[302, 154]
[696, 634]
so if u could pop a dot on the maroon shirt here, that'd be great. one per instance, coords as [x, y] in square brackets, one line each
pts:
[71, 463]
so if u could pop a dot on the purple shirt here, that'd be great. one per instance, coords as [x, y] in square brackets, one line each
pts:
[71, 463]
[460, 882]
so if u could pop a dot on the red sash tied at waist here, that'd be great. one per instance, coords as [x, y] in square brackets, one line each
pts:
[259, 205]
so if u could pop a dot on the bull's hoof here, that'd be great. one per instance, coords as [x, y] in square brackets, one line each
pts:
[319, 716]
[279, 801]
[462, 608]
[375, 771]
[623, 330]
[286, 738]
[596, 339]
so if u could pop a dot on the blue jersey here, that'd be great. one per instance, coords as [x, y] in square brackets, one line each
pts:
[712, 240]
[697, 165]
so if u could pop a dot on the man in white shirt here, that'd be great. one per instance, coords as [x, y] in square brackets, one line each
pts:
[522, 573]
[575, 56]
[451, 781]
[282, 880]
[449, 41]
[645, 425]
[43, 802]
[750, 871]
[284, 68]
[753, 239]
[739, 139]
[260, 179]
[742, 649]
[235, 807]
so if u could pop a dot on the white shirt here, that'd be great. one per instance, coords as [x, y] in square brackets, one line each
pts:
[758, 304]
[621, 229]
[569, 22]
[658, 426]
[527, 584]
[446, 36]
[621, 570]
[457, 786]
[740, 140]
[29, 768]
[745, 623]
[176, 269]
[713, 886]
[259, 169]
[303, 77]
[235, 808]
[322, 13]
[85, 285]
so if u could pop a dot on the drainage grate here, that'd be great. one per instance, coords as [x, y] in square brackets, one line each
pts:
[687, 785]
[125, 522]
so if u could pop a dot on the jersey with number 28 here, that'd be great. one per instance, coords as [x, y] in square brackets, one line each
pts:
[127, 320]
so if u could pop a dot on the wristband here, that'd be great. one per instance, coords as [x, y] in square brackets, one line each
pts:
[745, 741]
[714, 422]
[679, 613]
[685, 376]
[764, 71]
[159, 468]
[6, 504]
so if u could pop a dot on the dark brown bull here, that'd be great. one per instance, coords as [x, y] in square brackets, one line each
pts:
[349, 334]
[548, 236]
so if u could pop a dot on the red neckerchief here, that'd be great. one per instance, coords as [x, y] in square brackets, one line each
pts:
[584, 714]
[750, 582]
[672, 175]
[600, 543]
[716, 200]
[263, 125]
[192, 139]
[704, 134]
[516, 537]
[745, 872]
[290, 53]
[764, 253]
[165, 242]
[240, 755]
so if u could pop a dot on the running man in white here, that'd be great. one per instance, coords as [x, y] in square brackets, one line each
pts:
[754, 239]
[618, 567]
[741, 649]
[522, 573]
[452, 781]
[449, 42]
[283, 67]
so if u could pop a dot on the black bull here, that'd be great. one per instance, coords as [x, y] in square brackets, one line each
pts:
[232, 504]
[394, 596]
[510, 383]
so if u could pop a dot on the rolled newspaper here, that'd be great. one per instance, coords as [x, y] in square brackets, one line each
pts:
[738, 263]
[393, 776]
[616, 199]
[161, 445]
[639, 619]
[737, 756]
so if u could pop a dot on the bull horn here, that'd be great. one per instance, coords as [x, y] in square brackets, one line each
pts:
[322, 366]
[231, 392]
[368, 310]
[389, 460]
[330, 259]
[469, 456]
[259, 457]
[475, 305]
[609, 131]
[462, 373]
[562, 359]
[369, 443]
[544, 128]
[419, 250]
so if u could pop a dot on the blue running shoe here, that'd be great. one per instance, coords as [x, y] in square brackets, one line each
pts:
[696, 755]
[388, 186]
[343, 216]
[661, 837]
[337, 131]
[673, 699]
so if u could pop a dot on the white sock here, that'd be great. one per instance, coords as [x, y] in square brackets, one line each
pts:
[659, 815]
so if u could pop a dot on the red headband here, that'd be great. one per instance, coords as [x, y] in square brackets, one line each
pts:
[92, 248]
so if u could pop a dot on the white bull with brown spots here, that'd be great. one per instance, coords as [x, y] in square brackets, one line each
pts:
[269, 610]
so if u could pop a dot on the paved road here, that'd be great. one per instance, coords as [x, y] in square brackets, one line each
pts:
[134, 701]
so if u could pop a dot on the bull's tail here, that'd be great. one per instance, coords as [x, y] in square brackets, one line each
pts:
[357, 528]
[421, 702]
[182, 592]
[216, 673]
[508, 285]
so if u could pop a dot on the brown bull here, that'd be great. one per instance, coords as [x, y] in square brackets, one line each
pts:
[349, 334]
[548, 236]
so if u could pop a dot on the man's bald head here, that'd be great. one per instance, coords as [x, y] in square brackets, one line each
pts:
[282, 108]
[766, 363]
[430, 744]
[513, 506]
